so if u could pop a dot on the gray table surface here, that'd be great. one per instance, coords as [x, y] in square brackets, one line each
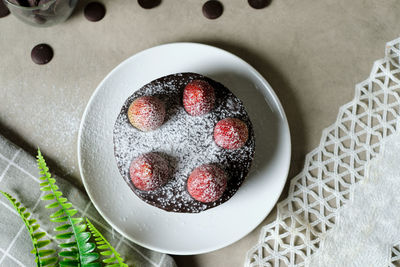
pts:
[311, 52]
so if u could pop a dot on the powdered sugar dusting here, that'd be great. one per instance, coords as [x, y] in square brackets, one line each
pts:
[186, 141]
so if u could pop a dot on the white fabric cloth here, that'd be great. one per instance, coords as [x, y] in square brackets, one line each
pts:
[333, 169]
[367, 228]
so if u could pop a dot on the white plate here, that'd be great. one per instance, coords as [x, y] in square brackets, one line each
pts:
[177, 233]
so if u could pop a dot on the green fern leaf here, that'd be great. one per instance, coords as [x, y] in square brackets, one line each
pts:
[43, 243]
[114, 258]
[62, 228]
[68, 245]
[81, 252]
[49, 261]
[59, 219]
[43, 257]
[69, 263]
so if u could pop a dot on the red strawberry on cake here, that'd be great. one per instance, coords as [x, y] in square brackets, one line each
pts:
[207, 183]
[149, 171]
[198, 97]
[231, 133]
[146, 113]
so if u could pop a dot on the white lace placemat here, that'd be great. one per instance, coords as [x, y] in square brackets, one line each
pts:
[333, 169]
[368, 226]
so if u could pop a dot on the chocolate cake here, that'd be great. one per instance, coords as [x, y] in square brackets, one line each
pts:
[185, 141]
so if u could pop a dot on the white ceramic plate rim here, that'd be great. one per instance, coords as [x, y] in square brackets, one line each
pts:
[211, 247]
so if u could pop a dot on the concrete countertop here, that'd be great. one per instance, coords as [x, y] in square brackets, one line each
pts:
[311, 52]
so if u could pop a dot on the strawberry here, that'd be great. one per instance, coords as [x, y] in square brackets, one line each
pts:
[207, 183]
[146, 113]
[149, 171]
[198, 97]
[230, 133]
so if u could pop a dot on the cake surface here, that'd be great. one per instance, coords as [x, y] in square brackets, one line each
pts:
[186, 141]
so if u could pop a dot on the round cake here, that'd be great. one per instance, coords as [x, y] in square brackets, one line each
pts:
[186, 142]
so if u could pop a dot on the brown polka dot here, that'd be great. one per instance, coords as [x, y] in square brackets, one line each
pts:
[94, 11]
[258, 4]
[42, 54]
[148, 4]
[212, 9]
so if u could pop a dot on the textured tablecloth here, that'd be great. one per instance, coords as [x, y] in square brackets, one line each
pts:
[19, 177]
[311, 52]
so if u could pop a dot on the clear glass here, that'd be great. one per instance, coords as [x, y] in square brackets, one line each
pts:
[46, 14]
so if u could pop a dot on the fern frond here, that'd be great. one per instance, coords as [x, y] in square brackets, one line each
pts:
[43, 257]
[113, 259]
[80, 252]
